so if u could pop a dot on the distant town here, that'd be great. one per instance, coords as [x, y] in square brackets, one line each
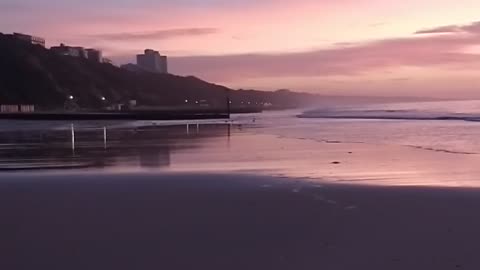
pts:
[149, 61]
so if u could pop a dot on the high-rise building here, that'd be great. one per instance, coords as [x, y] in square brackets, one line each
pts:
[152, 61]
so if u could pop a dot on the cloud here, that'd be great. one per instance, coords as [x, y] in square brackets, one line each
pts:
[473, 28]
[437, 51]
[156, 35]
[440, 30]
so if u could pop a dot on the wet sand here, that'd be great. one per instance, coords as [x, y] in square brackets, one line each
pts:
[232, 197]
[233, 148]
[231, 221]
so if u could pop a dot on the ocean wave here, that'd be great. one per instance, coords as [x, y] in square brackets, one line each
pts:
[441, 150]
[390, 115]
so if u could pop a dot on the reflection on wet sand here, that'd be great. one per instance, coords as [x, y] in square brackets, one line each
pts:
[222, 148]
[148, 147]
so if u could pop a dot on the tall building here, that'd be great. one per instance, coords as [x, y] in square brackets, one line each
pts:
[94, 55]
[30, 39]
[152, 61]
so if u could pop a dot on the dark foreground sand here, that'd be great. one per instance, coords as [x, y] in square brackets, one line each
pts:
[231, 222]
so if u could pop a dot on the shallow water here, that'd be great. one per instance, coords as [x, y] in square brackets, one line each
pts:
[360, 151]
[406, 124]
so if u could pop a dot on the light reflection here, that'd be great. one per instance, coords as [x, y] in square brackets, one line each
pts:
[92, 148]
[233, 148]
[309, 159]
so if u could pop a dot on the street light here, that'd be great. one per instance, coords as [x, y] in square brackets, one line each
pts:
[70, 97]
[103, 98]
[186, 100]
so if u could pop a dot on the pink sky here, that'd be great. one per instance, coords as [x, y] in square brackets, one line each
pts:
[345, 47]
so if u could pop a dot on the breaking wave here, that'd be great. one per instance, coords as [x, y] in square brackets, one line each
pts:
[391, 115]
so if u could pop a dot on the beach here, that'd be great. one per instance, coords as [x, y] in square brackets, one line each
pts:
[228, 221]
[268, 191]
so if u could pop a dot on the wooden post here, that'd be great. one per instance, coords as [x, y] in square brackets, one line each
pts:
[105, 137]
[72, 128]
[228, 104]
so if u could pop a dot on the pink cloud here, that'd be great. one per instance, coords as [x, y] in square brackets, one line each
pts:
[473, 28]
[441, 51]
[156, 35]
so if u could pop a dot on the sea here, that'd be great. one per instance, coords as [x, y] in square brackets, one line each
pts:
[450, 126]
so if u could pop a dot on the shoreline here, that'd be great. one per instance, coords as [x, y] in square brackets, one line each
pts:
[139, 115]
[86, 116]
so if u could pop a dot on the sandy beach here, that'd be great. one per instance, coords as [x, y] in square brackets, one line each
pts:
[262, 195]
[228, 221]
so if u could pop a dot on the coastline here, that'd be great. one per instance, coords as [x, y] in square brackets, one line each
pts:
[115, 116]
[231, 221]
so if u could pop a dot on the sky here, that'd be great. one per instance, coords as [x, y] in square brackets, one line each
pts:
[428, 48]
